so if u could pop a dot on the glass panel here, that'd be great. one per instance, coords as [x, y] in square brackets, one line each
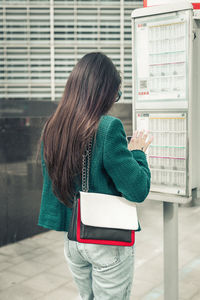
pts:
[167, 155]
[161, 56]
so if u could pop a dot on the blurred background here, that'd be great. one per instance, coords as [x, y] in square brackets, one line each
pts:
[41, 41]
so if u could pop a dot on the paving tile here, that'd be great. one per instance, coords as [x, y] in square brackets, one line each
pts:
[183, 234]
[57, 248]
[28, 268]
[8, 279]
[32, 243]
[193, 276]
[139, 262]
[151, 271]
[49, 237]
[4, 265]
[188, 211]
[64, 292]
[41, 241]
[191, 242]
[3, 258]
[141, 287]
[39, 251]
[144, 254]
[196, 296]
[50, 258]
[156, 293]
[186, 256]
[21, 258]
[56, 282]
[62, 270]
[14, 250]
[45, 282]
[153, 297]
[20, 292]
[54, 235]
[188, 216]
[188, 289]
[192, 266]
[134, 297]
[40, 236]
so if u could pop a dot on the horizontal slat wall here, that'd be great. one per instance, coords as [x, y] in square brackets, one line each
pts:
[27, 29]
[127, 52]
[26, 51]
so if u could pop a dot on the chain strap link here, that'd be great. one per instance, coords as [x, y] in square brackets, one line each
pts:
[86, 166]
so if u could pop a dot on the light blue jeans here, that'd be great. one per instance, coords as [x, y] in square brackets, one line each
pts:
[101, 272]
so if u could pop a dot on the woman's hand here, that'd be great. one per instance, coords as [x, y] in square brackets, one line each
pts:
[140, 141]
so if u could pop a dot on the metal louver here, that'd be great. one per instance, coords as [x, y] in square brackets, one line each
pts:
[40, 41]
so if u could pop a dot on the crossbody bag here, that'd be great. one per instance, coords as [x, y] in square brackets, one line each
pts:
[99, 218]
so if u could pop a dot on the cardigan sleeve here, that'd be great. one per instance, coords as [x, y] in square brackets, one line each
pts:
[128, 169]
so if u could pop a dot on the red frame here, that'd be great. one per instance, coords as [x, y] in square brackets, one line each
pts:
[102, 242]
[195, 5]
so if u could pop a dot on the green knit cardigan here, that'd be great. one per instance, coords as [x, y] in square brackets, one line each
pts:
[113, 170]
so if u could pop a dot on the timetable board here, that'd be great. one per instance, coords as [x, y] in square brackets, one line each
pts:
[167, 155]
[161, 54]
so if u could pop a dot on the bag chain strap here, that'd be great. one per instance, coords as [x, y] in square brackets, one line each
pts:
[86, 167]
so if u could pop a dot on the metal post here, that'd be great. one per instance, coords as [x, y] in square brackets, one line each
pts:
[170, 217]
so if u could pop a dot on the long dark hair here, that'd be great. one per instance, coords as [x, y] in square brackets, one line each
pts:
[89, 93]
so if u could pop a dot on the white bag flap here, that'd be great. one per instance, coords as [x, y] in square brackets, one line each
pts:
[102, 210]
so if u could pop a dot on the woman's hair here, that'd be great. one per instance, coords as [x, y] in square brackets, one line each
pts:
[89, 93]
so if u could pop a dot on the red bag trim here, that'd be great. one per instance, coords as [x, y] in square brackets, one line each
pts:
[102, 242]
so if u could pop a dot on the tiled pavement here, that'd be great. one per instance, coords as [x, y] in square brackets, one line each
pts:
[35, 268]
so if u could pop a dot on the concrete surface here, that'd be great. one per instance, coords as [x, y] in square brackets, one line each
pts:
[35, 268]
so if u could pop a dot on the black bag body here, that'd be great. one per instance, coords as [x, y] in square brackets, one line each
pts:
[73, 224]
[96, 233]
[92, 232]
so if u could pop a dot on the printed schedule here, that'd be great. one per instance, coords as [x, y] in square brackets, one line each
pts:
[167, 153]
[161, 59]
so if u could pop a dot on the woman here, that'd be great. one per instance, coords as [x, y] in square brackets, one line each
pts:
[101, 272]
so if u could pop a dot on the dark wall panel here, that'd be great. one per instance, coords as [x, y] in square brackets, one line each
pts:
[3, 207]
[20, 176]
[21, 123]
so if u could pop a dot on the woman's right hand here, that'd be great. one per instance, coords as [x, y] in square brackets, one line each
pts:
[140, 141]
